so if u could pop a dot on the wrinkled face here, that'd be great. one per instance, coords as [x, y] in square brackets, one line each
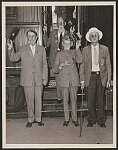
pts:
[94, 37]
[31, 38]
[66, 44]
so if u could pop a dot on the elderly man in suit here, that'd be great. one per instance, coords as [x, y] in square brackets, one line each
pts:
[34, 74]
[95, 75]
[68, 80]
[55, 43]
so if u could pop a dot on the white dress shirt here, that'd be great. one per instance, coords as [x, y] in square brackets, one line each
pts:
[94, 66]
[33, 49]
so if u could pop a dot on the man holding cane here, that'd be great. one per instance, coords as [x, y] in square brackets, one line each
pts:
[68, 79]
[95, 75]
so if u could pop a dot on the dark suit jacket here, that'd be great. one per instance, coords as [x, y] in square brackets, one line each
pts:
[33, 68]
[54, 45]
[68, 74]
[104, 64]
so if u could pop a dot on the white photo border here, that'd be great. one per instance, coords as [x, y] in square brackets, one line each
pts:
[82, 3]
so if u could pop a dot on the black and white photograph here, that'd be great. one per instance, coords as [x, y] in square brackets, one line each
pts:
[59, 74]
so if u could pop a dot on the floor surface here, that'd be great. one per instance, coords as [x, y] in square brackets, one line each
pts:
[53, 132]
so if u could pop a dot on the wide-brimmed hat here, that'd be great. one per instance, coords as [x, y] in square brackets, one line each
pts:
[93, 30]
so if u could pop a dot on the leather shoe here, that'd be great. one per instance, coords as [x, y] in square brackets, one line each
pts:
[66, 123]
[103, 125]
[59, 101]
[29, 125]
[90, 125]
[40, 123]
[76, 123]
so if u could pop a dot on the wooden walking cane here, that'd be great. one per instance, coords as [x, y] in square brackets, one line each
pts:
[81, 117]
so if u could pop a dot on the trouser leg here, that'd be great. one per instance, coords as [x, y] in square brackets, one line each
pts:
[38, 102]
[100, 105]
[29, 94]
[73, 97]
[91, 92]
[65, 94]
[59, 91]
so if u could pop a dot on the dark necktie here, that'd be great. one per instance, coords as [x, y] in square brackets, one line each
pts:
[60, 42]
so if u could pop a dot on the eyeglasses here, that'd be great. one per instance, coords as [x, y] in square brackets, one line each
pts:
[94, 35]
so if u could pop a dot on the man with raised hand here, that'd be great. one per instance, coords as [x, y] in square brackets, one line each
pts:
[34, 74]
[68, 79]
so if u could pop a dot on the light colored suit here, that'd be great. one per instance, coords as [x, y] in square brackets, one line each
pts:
[30, 64]
[104, 64]
[68, 73]
[68, 79]
[34, 71]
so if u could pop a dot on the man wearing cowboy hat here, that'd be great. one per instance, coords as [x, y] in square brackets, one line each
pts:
[95, 75]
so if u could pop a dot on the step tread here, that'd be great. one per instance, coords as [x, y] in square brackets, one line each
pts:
[25, 111]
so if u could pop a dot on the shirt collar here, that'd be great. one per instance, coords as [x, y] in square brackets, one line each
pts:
[97, 46]
[32, 46]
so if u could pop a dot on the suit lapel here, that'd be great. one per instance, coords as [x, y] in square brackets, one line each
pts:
[30, 51]
[89, 54]
[100, 52]
[36, 51]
